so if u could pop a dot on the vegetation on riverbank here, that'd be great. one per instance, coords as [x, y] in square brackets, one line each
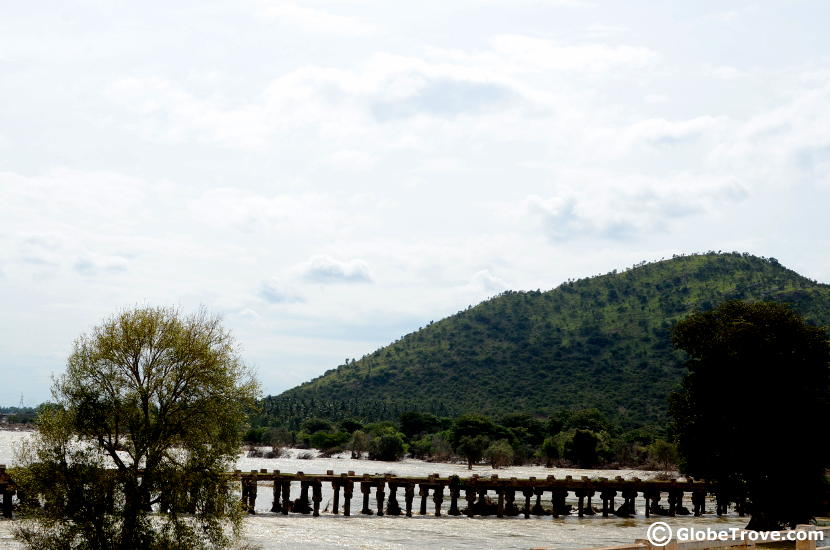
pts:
[584, 438]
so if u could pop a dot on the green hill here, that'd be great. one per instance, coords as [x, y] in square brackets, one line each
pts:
[597, 342]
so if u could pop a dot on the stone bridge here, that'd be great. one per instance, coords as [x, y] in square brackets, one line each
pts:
[484, 496]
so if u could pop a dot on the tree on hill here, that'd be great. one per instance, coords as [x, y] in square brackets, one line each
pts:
[162, 398]
[751, 410]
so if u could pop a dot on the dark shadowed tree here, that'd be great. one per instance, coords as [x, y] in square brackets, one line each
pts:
[550, 451]
[472, 448]
[582, 448]
[752, 408]
[151, 411]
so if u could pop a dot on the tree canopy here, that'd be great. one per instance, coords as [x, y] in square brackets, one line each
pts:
[751, 408]
[161, 399]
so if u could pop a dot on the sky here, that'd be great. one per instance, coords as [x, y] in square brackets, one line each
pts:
[327, 176]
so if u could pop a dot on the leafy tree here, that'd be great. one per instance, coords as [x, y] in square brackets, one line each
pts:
[588, 419]
[328, 441]
[160, 396]
[582, 448]
[359, 443]
[415, 423]
[387, 445]
[532, 429]
[440, 447]
[471, 425]
[421, 448]
[550, 451]
[663, 452]
[499, 454]
[472, 448]
[314, 425]
[751, 410]
[351, 425]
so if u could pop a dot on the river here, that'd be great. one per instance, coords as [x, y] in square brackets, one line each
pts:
[329, 532]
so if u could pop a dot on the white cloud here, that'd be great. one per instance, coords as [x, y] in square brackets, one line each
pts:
[275, 292]
[486, 280]
[659, 131]
[541, 54]
[328, 270]
[313, 19]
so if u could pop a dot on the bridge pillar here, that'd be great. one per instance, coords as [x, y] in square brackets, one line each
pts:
[721, 505]
[455, 492]
[348, 491]
[252, 490]
[438, 499]
[628, 507]
[676, 503]
[316, 495]
[423, 492]
[527, 492]
[365, 488]
[481, 503]
[470, 494]
[589, 507]
[558, 499]
[500, 509]
[286, 496]
[275, 503]
[380, 494]
[409, 495]
[301, 505]
[245, 487]
[699, 502]
[607, 496]
[580, 507]
[335, 501]
[537, 508]
[392, 506]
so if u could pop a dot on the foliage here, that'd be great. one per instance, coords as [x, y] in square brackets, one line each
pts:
[550, 451]
[664, 453]
[329, 441]
[471, 425]
[499, 454]
[751, 411]
[600, 342]
[162, 398]
[387, 445]
[359, 443]
[472, 448]
[415, 423]
[582, 448]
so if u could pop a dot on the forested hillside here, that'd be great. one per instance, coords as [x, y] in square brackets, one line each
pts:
[597, 342]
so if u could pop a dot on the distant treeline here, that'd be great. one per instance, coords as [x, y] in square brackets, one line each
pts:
[19, 415]
[584, 438]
